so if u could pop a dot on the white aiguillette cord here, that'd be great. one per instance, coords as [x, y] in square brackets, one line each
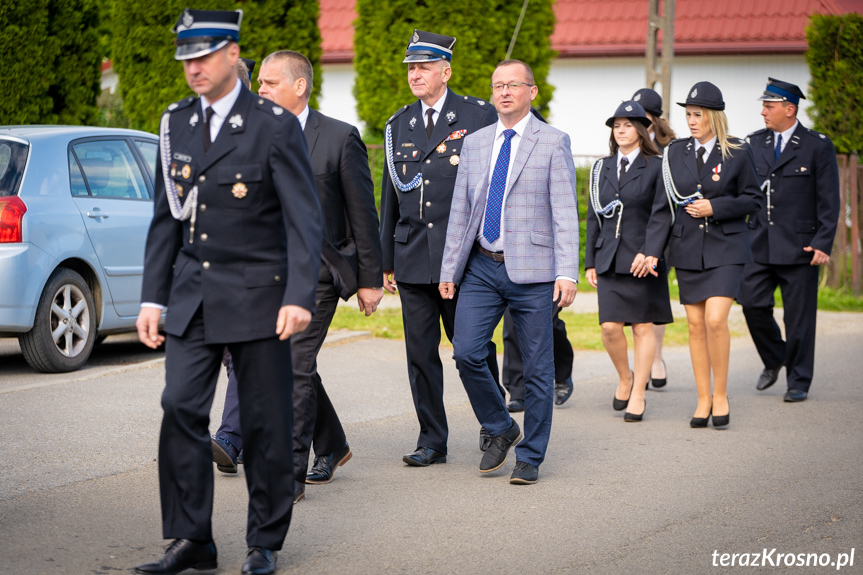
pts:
[414, 183]
[674, 198]
[607, 211]
[181, 211]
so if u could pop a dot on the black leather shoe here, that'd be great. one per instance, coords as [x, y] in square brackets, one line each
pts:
[524, 473]
[496, 453]
[767, 378]
[325, 465]
[224, 455]
[630, 417]
[795, 395]
[620, 404]
[562, 391]
[423, 457]
[299, 492]
[722, 420]
[698, 422]
[180, 555]
[515, 405]
[484, 439]
[259, 561]
[657, 382]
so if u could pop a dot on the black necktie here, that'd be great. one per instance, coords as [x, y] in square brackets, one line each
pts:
[623, 163]
[430, 123]
[700, 158]
[208, 115]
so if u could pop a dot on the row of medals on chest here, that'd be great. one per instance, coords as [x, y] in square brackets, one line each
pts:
[239, 189]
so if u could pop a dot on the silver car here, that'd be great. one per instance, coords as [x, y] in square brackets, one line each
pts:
[75, 207]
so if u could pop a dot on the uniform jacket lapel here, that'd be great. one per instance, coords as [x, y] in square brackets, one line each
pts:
[634, 170]
[713, 160]
[689, 159]
[790, 150]
[418, 131]
[609, 172]
[225, 141]
[441, 127]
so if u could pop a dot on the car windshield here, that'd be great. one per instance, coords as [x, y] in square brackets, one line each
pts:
[13, 158]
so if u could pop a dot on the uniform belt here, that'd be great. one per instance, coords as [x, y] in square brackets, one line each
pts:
[496, 256]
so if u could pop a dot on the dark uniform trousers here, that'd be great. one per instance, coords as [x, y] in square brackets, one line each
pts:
[512, 376]
[185, 455]
[321, 430]
[804, 212]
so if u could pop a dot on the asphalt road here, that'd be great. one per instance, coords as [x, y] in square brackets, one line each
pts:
[79, 492]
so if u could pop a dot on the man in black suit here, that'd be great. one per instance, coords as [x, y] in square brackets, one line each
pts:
[350, 263]
[423, 141]
[792, 235]
[234, 189]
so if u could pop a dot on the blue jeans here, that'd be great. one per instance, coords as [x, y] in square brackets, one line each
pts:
[484, 294]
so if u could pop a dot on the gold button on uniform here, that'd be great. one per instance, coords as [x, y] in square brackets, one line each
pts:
[206, 265]
[700, 226]
[428, 204]
[431, 225]
[278, 278]
[202, 208]
[426, 182]
[204, 237]
[428, 161]
[202, 178]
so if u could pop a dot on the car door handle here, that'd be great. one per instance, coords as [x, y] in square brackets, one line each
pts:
[97, 214]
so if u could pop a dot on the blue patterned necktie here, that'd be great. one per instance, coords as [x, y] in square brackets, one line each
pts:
[778, 149]
[491, 228]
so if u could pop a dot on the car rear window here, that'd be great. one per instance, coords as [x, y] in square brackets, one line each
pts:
[13, 158]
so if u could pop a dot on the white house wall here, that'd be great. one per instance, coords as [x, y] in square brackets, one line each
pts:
[588, 91]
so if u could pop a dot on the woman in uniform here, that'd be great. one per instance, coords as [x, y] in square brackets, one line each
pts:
[627, 227]
[661, 134]
[711, 177]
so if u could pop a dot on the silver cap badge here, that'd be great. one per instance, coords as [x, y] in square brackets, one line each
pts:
[694, 93]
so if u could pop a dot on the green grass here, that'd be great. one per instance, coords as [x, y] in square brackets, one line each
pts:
[581, 328]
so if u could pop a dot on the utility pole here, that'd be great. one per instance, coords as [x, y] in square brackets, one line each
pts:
[665, 23]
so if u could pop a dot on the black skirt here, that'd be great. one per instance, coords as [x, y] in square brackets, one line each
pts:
[628, 299]
[698, 285]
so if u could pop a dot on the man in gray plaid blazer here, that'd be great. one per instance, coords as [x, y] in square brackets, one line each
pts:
[512, 241]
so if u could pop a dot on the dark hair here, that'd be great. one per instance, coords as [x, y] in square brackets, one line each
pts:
[661, 130]
[648, 148]
[294, 67]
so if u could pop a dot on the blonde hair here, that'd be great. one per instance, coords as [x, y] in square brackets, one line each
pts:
[719, 124]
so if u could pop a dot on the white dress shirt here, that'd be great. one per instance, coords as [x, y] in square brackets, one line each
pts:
[221, 108]
[630, 157]
[708, 147]
[786, 136]
[438, 106]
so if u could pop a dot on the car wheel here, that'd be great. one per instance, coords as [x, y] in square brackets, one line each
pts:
[64, 329]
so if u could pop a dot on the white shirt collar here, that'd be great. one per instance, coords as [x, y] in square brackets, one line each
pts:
[786, 135]
[222, 107]
[519, 127]
[438, 106]
[304, 115]
[630, 156]
[708, 147]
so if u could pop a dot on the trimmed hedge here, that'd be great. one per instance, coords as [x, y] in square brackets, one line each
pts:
[143, 49]
[482, 29]
[51, 62]
[835, 58]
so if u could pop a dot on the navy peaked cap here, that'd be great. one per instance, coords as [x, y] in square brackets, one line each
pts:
[779, 91]
[650, 100]
[632, 110]
[428, 47]
[706, 95]
[201, 32]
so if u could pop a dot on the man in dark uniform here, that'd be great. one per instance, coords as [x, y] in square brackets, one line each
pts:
[423, 141]
[234, 189]
[792, 235]
[350, 264]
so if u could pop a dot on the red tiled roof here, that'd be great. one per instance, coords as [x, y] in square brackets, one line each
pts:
[619, 27]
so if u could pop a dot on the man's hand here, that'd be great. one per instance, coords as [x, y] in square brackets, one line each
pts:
[148, 327]
[565, 290]
[389, 282]
[368, 299]
[447, 290]
[818, 257]
[292, 319]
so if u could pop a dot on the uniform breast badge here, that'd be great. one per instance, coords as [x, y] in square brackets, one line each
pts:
[179, 190]
[236, 121]
[441, 148]
[716, 170]
[173, 170]
[404, 169]
[194, 119]
[239, 190]
[450, 116]
[186, 172]
[413, 122]
[453, 160]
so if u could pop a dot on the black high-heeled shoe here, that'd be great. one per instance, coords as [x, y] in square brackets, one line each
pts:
[697, 422]
[620, 404]
[629, 417]
[657, 383]
[723, 420]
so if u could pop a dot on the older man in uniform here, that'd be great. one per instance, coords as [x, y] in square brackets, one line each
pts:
[234, 189]
[423, 141]
[791, 236]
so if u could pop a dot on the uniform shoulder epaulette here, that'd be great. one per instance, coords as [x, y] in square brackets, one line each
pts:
[818, 135]
[184, 103]
[269, 107]
[756, 133]
[398, 113]
[475, 101]
[676, 140]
